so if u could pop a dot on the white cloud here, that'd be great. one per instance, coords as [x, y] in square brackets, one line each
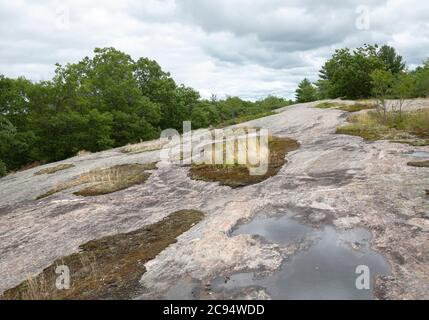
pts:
[249, 48]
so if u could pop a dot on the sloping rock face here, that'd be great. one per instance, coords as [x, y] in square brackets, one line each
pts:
[344, 179]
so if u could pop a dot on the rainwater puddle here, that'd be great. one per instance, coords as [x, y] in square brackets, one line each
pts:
[326, 270]
[418, 154]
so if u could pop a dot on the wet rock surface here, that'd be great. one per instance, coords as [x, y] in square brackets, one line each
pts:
[324, 269]
[331, 179]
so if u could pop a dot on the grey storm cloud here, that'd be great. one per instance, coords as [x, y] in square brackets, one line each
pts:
[249, 48]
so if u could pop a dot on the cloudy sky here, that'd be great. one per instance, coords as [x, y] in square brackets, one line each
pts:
[249, 48]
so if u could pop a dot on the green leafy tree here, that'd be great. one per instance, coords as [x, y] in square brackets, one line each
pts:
[160, 88]
[7, 136]
[392, 60]
[271, 102]
[3, 170]
[199, 118]
[186, 99]
[324, 89]
[402, 89]
[348, 73]
[108, 83]
[14, 100]
[16, 138]
[306, 92]
[62, 135]
[422, 80]
[15, 146]
[101, 102]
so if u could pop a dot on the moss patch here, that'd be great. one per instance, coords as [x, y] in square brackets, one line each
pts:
[110, 267]
[356, 107]
[367, 132]
[238, 175]
[326, 105]
[105, 181]
[54, 169]
[115, 179]
[345, 107]
[420, 164]
[415, 142]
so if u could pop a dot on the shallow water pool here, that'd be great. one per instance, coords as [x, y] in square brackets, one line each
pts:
[326, 270]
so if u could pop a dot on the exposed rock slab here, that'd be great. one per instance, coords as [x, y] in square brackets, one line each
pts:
[331, 178]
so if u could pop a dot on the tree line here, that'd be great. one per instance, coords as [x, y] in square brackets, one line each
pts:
[366, 72]
[103, 102]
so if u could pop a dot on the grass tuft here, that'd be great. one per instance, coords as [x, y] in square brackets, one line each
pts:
[54, 169]
[413, 125]
[326, 105]
[345, 107]
[105, 181]
[238, 175]
[144, 146]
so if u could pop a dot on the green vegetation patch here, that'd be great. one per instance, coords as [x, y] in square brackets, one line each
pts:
[110, 267]
[413, 142]
[54, 169]
[326, 105]
[105, 181]
[345, 107]
[420, 164]
[3, 170]
[393, 126]
[238, 175]
[356, 107]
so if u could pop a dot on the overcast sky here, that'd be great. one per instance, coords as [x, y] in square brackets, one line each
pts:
[249, 48]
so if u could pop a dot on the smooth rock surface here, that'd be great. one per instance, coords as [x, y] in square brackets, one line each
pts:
[331, 178]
